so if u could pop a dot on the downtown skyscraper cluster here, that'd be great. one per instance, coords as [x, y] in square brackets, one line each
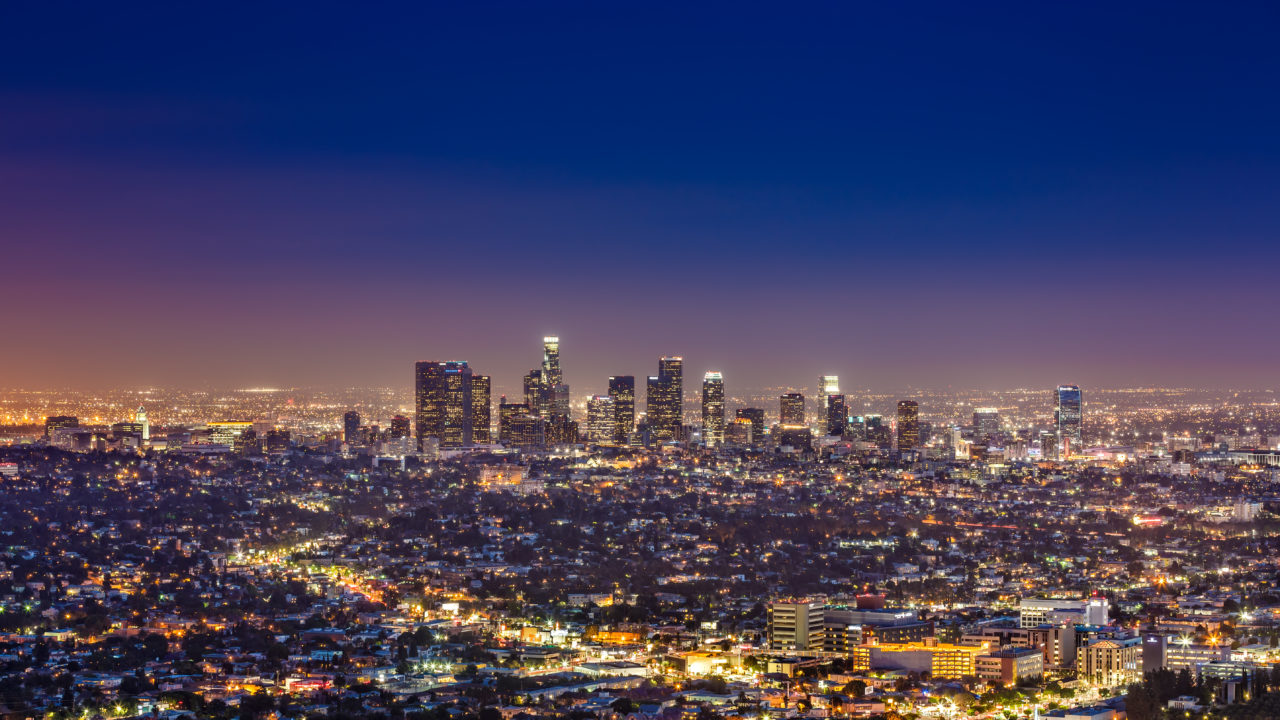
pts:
[453, 410]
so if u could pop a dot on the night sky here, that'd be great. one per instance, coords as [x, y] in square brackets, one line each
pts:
[960, 194]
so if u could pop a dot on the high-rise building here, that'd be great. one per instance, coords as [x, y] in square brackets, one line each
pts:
[1070, 419]
[908, 425]
[756, 416]
[602, 419]
[828, 385]
[876, 431]
[533, 391]
[713, 408]
[140, 417]
[228, 432]
[351, 427]
[986, 423]
[1049, 445]
[796, 624]
[54, 422]
[443, 402]
[399, 427]
[560, 430]
[622, 389]
[665, 403]
[524, 430]
[551, 361]
[738, 432]
[481, 410]
[276, 441]
[791, 407]
[555, 403]
[837, 414]
[507, 412]
[544, 388]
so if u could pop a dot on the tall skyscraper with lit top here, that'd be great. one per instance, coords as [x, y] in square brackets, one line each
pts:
[665, 401]
[551, 361]
[713, 408]
[828, 386]
[544, 388]
[1070, 419]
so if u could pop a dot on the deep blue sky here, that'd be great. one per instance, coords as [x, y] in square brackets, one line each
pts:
[928, 194]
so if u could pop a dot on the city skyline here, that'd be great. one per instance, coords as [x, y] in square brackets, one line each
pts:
[663, 361]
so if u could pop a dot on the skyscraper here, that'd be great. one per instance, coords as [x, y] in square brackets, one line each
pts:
[756, 416]
[533, 391]
[507, 415]
[399, 427]
[986, 423]
[791, 408]
[665, 402]
[837, 414]
[1070, 419]
[443, 402]
[140, 417]
[622, 388]
[555, 401]
[713, 408]
[602, 419]
[908, 425]
[551, 361]
[828, 385]
[876, 431]
[544, 388]
[351, 427]
[481, 410]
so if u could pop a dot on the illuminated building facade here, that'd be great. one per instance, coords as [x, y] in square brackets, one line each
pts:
[986, 424]
[713, 408]
[941, 660]
[228, 432]
[399, 427]
[533, 391]
[791, 408]
[507, 414]
[551, 361]
[481, 410]
[665, 402]
[837, 419]
[756, 417]
[602, 419]
[1069, 418]
[55, 422]
[739, 432]
[622, 390]
[908, 425]
[796, 625]
[443, 401]
[828, 385]
[1110, 661]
